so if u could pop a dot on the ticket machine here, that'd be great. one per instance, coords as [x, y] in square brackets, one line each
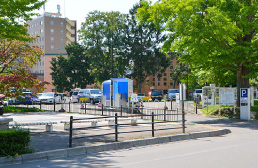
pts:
[245, 104]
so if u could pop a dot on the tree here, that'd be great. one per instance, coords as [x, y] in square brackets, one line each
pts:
[13, 13]
[73, 71]
[218, 34]
[101, 34]
[15, 59]
[144, 42]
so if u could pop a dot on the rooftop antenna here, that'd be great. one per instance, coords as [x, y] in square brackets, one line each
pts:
[58, 9]
[44, 9]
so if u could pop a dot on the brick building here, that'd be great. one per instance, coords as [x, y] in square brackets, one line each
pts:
[55, 33]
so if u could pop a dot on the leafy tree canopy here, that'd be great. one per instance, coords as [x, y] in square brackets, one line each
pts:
[13, 13]
[213, 34]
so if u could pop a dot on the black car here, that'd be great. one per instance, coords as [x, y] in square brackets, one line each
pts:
[156, 95]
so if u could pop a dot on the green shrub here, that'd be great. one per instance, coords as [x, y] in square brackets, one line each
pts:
[226, 111]
[14, 109]
[14, 142]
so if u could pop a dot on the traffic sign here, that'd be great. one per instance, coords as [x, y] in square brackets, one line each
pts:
[244, 93]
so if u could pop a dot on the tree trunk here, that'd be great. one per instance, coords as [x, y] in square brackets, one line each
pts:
[242, 82]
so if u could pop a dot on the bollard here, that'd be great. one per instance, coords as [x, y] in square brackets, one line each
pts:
[69, 106]
[102, 109]
[121, 110]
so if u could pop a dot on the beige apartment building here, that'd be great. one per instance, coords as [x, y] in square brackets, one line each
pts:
[54, 34]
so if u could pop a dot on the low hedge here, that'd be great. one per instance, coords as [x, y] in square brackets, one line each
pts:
[14, 142]
[14, 109]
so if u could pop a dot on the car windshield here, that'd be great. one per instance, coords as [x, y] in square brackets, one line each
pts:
[141, 94]
[156, 93]
[198, 91]
[75, 93]
[95, 92]
[48, 94]
[173, 91]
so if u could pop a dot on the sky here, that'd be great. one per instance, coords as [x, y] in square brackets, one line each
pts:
[78, 9]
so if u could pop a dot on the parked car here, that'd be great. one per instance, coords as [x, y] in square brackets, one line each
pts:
[156, 95]
[25, 98]
[1, 104]
[140, 96]
[92, 95]
[49, 97]
[172, 94]
[75, 98]
[64, 97]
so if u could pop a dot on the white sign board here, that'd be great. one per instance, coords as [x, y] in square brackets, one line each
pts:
[227, 96]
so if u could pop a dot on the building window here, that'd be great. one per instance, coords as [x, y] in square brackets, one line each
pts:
[153, 79]
[62, 23]
[165, 83]
[158, 84]
[153, 84]
[62, 40]
[171, 83]
[158, 79]
[62, 32]
[62, 47]
[41, 22]
[41, 30]
[52, 30]
[165, 79]
[42, 46]
[52, 39]
[52, 47]
[52, 22]
[165, 74]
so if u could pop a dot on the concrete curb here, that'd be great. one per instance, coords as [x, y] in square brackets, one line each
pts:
[68, 152]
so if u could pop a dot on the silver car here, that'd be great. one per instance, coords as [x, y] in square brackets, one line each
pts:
[92, 95]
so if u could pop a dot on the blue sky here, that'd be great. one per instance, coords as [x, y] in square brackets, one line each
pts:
[78, 9]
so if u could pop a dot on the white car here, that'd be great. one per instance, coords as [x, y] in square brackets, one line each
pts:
[75, 98]
[49, 98]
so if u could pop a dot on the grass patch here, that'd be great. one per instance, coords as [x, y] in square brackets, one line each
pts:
[226, 111]
[14, 109]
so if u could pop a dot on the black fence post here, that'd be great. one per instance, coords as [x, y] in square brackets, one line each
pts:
[183, 111]
[71, 131]
[54, 105]
[102, 109]
[165, 114]
[121, 110]
[69, 106]
[85, 108]
[40, 104]
[142, 113]
[171, 104]
[196, 107]
[152, 123]
[116, 132]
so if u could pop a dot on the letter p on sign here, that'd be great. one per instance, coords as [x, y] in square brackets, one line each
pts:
[244, 93]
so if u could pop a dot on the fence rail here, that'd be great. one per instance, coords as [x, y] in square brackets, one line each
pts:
[117, 125]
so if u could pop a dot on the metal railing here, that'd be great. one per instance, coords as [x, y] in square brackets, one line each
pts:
[117, 127]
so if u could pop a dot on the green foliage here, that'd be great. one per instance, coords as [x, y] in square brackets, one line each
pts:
[226, 111]
[14, 109]
[14, 142]
[102, 34]
[12, 15]
[144, 42]
[217, 37]
[72, 71]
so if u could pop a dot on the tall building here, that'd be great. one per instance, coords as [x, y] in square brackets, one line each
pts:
[54, 34]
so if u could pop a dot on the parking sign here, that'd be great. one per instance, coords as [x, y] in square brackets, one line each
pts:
[244, 93]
